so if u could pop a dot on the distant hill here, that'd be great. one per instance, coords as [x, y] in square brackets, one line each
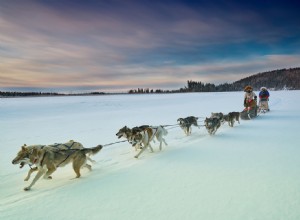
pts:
[275, 80]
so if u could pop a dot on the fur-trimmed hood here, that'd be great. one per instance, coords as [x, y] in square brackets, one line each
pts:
[248, 88]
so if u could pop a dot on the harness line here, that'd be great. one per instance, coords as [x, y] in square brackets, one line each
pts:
[67, 155]
[105, 145]
[168, 125]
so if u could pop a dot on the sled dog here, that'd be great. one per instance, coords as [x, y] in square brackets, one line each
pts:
[186, 124]
[128, 133]
[235, 115]
[48, 158]
[212, 125]
[231, 117]
[144, 138]
[22, 157]
[218, 115]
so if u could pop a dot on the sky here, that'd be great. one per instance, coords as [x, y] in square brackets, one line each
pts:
[118, 45]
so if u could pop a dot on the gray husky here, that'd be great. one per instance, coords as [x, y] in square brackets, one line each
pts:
[186, 124]
[212, 125]
[218, 115]
[231, 117]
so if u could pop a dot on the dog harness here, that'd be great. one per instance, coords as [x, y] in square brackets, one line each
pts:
[69, 147]
[41, 163]
[69, 154]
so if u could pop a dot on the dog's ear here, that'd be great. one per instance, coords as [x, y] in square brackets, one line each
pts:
[23, 147]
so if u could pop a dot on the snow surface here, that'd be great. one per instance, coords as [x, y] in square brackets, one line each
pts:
[250, 171]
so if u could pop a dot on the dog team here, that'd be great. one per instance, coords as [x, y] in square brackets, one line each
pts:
[45, 159]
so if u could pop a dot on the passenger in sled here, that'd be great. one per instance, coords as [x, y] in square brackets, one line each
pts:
[263, 100]
[249, 99]
[250, 104]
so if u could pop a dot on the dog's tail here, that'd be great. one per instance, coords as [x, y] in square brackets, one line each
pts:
[92, 150]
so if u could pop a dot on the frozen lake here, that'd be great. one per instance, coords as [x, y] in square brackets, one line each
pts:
[250, 171]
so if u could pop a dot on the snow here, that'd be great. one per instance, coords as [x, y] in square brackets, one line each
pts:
[250, 171]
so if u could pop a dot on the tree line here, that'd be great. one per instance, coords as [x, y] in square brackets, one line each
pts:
[23, 94]
[34, 94]
[275, 80]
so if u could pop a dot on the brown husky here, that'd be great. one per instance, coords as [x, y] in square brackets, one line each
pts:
[22, 159]
[129, 133]
[47, 160]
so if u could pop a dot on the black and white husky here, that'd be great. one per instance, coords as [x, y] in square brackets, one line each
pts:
[212, 124]
[186, 124]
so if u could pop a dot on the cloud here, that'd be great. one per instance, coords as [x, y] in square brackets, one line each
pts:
[136, 76]
[123, 45]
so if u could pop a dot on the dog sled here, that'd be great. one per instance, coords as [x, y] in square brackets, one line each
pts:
[249, 114]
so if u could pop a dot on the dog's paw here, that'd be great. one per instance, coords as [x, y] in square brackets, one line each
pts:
[26, 179]
[47, 177]
[27, 188]
[136, 157]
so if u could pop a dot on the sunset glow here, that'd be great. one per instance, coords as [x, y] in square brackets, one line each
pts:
[121, 45]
